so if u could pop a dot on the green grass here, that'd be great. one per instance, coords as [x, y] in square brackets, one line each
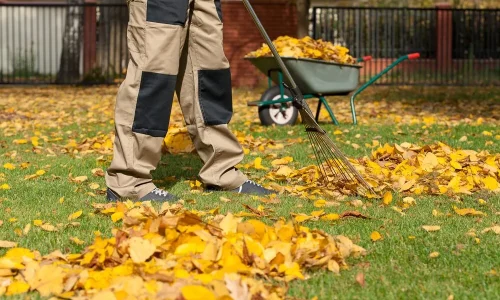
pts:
[397, 267]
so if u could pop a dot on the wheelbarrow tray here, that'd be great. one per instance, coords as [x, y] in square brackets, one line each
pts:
[311, 75]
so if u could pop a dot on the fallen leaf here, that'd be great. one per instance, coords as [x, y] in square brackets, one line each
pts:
[434, 254]
[48, 227]
[375, 236]
[468, 212]
[77, 240]
[495, 229]
[430, 228]
[7, 244]
[387, 199]
[360, 279]
[355, 214]
[140, 249]
[26, 229]
[75, 215]
[9, 166]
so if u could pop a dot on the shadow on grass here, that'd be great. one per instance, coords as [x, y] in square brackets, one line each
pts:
[181, 166]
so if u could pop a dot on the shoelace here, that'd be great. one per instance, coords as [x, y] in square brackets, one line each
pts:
[254, 183]
[160, 192]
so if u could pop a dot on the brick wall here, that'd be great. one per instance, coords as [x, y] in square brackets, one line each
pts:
[242, 36]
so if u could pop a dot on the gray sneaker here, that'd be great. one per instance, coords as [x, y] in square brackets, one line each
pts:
[248, 187]
[155, 195]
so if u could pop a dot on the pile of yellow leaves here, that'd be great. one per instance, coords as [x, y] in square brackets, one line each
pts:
[306, 47]
[432, 169]
[174, 254]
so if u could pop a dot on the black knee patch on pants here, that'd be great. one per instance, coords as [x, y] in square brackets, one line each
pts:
[173, 12]
[154, 104]
[215, 96]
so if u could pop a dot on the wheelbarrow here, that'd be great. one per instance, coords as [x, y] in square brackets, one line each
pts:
[316, 79]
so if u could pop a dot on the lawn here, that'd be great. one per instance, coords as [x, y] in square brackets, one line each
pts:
[66, 132]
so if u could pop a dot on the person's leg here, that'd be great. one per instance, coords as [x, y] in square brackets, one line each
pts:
[144, 101]
[205, 96]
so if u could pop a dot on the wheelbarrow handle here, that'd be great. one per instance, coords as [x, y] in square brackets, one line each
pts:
[414, 55]
[367, 58]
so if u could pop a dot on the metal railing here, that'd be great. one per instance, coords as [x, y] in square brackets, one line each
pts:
[87, 43]
[457, 46]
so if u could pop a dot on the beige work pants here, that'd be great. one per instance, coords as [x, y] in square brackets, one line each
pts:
[175, 46]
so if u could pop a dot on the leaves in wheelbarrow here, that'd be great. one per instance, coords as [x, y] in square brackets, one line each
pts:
[306, 47]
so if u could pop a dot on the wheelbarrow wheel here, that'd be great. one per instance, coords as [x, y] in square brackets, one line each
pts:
[280, 114]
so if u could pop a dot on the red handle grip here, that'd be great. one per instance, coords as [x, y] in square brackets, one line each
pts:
[367, 58]
[413, 56]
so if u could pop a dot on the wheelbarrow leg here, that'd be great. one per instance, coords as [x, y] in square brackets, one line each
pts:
[329, 109]
[318, 110]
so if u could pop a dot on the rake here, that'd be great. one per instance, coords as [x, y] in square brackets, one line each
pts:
[333, 164]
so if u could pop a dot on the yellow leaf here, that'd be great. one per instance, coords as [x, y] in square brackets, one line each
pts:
[9, 166]
[330, 217]
[40, 172]
[75, 215]
[487, 133]
[94, 186]
[258, 164]
[409, 201]
[482, 201]
[319, 203]
[4, 186]
[48, 227]
[117, 216]
[468, 211]
[37, 222]
[387, 198]
[140, 249]
[13, 220]
[375, 236]
[434, 254]
[337, 132]
[17, 287]
[490, 183]
[430, 228]
[26, 229]
[495, 229]
[456, 165]
[282, 161]
[284, 171]
[7, 244]
[302, 218]
[197, 292]
[317, 213]
[76, 240]
[61, 200]
[20, 141]
[430, 162]
[80, 179]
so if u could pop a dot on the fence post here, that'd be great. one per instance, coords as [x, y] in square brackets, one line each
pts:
[89, 36]
[444, 36]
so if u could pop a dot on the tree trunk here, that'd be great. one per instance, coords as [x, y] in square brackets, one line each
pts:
[303, 18]
[69, 67]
